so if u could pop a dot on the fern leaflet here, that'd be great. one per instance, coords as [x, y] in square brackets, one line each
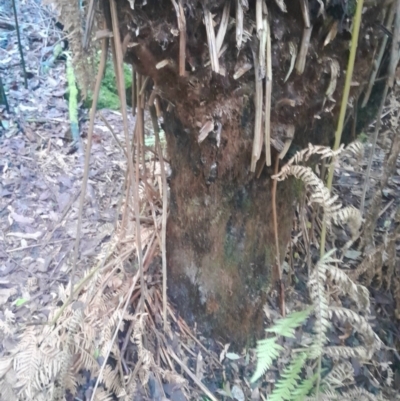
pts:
[267, 351]
[290, 381]
[286, 326]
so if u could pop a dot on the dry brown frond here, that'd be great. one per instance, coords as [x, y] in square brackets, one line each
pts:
[354, 149]
[304, 155]
[360, 394]
[341, 375]
[320, 194]
[351, 217]
[360, 324]
[370, 265]
[346, 352]
[358, 293]
[318, 295]
[145, 356]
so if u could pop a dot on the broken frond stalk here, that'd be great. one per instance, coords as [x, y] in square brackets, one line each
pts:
[262, 36]
[268, 94]
[259, 19]
[258, 138]
[212, 45]
[180, 15]
[302, 55]
[239, 23]
[223, 25]
[293, 55]
[306, 13]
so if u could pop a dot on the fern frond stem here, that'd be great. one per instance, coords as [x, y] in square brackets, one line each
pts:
[100, 74]
[277, 253]
[343, 108]
[139, 134]
[133, 173]
[154, 119]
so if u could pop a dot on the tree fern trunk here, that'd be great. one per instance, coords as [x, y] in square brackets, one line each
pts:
[220, 239]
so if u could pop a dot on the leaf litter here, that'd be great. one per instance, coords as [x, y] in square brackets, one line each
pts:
[39, 192]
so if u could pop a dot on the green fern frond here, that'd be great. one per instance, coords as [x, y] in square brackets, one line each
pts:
[304, 389]
[290, 381]
[286, 326]
[267, 351]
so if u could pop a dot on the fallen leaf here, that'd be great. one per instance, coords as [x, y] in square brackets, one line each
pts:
[237, 393]
[35, 236]
[352, 254]
[232, 356]
[6, 293]
[21, 219]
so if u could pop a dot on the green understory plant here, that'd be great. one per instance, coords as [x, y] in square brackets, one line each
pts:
[302, 378]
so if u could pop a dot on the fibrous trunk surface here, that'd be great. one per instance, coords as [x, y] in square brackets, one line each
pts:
[220, 238]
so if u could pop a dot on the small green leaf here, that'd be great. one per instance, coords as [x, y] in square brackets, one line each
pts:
[232, 356]
[20, 301]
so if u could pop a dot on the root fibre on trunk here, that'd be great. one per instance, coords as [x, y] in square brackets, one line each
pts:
[205, 60]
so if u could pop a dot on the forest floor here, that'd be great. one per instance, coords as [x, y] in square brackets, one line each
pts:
[41, 174]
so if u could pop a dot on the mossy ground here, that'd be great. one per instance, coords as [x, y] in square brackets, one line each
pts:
[108, 97]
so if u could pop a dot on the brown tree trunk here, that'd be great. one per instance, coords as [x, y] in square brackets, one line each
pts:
[220, 233]
[220, 239]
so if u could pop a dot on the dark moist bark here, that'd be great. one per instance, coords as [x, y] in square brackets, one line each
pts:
[220, 239]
